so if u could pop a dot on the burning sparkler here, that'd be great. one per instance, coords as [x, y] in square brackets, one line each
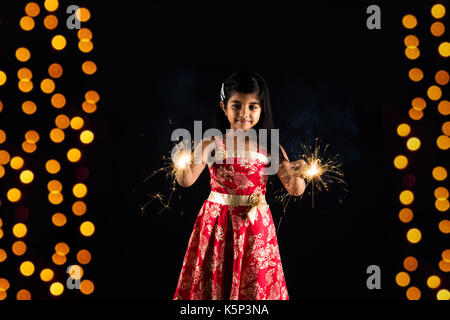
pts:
[319, 172]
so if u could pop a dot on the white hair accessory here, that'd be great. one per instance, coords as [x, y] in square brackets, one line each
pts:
[222, 92]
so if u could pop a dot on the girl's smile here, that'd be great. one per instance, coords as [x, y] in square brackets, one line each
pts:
[242, 111]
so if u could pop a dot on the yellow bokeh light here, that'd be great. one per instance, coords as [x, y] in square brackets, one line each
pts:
[413, 293]
[4, 284]
[410, 263]
[443, 142]
[59, 219]
[3, 255]
[89, 67]
[55, 197]
[412, 53]
[57, 135]
[441, 193]
[409, 21]
[58, 100]
[59, 259]
[32, 9]
[59, 42]
[444, 107]
[17, 163]
[86, 287]
[446, 255]
[439, 173]
[443, 294]
[32, 136]
[77, 123]
[23, 54]
[441, 77]
[27, 268]
[75, 271]
[89, 107]
[2, 77]
[26, 176]
[29, 107]
[84, 34]
[446, 128]
[62, 121]
[413, 143]
[418, 103]
[438, 11]
[47, 275]
[444, 226]
[19, 248]
[23, 294]
[2, 136]
[84, 256]
[51, 5]
[444, 266]
[433, 282]
[79, 208]
[414, 235]
[403, 130]
[400, 162]
[437, 29]
[4, 157]
[28, 147]
[2, 172]
[47, 86]
[24, 74]
[55, 70]
[441, 205]
[434, 93]
[415, 114]
[19, 230]
[406, 197]
[86, 136]
[25, 85]
[56, 288]
[85, 46]
[54, 185]
[87, 228]
[52, 166]
[74, 155]
[415, 74]
[83, 14]
[411, 41]
[50, 22]
[402, 279]
[27, 23]
[92, 96]
[405, 215]
[444, 49]
[14, 194]
[62, 248]
[79, 190]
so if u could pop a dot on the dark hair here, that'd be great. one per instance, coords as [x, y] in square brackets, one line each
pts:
[247, 82]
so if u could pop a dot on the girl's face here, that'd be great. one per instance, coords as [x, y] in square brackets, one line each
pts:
[242, 110]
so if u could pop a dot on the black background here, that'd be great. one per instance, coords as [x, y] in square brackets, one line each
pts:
[329, 76]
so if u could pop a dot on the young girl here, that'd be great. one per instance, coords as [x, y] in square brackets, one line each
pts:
[233, 250]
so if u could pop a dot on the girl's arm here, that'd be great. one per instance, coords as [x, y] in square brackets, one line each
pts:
[189, 175]
[293, 183]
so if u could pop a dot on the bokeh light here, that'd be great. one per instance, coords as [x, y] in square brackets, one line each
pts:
[87, 228]
[59, 42]
[59, 219]
[403, 130]
[433, 282]
[413, 143]
[444, 226]
[439, 173]
[434, 92]
[441, 77]
[437, 29]
[400, 162]
[410, 264]
[402, 279]
[47, 275]
[409, 21]
[444, 107]
[414, 235]
[23, 54]
[405, 215]
[444, 49]
[56, 288]
[413, 293]
[27, 268]
[438, 11]
[52, 166]
[406, 197]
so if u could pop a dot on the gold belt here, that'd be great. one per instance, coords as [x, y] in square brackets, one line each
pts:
[254, 201]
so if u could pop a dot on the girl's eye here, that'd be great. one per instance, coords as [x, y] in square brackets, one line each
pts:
[236, 106]
[253, 107]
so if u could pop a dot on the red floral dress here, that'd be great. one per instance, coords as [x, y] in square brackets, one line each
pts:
[228, 257]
